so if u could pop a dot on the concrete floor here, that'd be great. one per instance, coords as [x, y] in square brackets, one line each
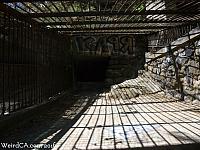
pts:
[146, 121]
[103, 121]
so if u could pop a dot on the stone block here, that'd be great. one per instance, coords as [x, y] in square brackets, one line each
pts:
[197, 52]
[196, 102]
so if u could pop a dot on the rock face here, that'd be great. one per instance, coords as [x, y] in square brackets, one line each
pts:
[187, 62]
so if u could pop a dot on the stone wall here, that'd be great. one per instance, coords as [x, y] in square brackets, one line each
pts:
[179, 73]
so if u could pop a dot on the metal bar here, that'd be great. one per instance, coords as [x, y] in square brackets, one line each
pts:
[134, 10]
[22, 58]
[48, 10]
[104, 11]
[114, 13]
[55, 8]
[32, 10]
[160, 7]
[11, 1]
[67, 21]
[74, 12]
[113, 8]
[80, 4]
[25, 50]
[21, 61]
[89, 3]
[180, 7]
[128, 9]
[30, 43]
[106, 33]
[120, 10]
[3, 64]
[99, 10]
[13, 62]
[9, 11]
[35, 66]
[8, 61]
[180, 86]
[118, 22]
[18, 60]
[107, 28]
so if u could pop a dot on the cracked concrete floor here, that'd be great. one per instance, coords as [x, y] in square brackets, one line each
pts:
[107, 120]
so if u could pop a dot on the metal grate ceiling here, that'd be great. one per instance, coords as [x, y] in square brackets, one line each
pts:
[123, 16]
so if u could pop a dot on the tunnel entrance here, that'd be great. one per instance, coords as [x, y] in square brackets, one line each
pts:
[91, 68]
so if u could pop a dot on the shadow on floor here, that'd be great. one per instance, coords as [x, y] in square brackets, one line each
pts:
[94, 120]
[59, 116]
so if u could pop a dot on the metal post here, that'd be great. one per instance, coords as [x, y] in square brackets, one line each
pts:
[179, 83]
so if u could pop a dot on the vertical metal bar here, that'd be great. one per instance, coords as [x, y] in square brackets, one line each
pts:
[47, 63]
[8, 63]
[36, 63]
[18, 62]
[28, 63]
[21, 64]
[44, 65]
[3, 64]
[33, 32]
[52, 65]
[31, 63]
[25, 65]
[41, 64]
[13, 62]
[180, 86]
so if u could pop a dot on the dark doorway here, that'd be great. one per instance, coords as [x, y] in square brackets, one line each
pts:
[91, 68]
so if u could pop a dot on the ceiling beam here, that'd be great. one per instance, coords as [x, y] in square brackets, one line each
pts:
[113, 13]
[13, 1]
[108, 28]
[113, 22]
[9, 11]
[105, 33]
